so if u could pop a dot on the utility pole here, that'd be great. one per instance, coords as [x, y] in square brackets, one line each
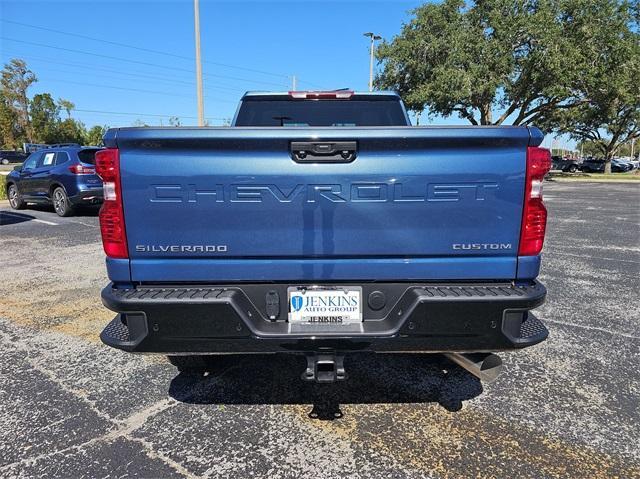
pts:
[196, 11]
[294, 83]
[373, 38]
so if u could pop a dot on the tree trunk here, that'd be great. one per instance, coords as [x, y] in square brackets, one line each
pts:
[607, 163]
[485, 115]
[25, 112]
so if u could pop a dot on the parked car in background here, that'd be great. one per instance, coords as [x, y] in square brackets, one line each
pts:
[11, 156]
[596, 165]
[624, 163]
[565, 164]
[621, 165]
[62, 176]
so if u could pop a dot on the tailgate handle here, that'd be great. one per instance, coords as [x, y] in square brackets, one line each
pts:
[323, 151]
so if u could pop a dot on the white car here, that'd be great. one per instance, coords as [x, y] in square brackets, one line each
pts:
[634, 162]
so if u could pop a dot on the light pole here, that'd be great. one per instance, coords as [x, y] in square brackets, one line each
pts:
[373, 38]
[196, 13]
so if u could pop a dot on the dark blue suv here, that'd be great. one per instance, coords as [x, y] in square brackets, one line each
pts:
[64, 176]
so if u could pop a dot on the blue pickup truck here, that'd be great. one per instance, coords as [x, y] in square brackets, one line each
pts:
[323, 223]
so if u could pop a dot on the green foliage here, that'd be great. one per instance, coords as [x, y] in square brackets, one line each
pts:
[524, 59]
[610, 118]
[44, 118]
[71, 131]
[3, 189]
[94, 135]
[66, 105]
[591, 148]
[15, 81]
[37, 120]
[10, 132]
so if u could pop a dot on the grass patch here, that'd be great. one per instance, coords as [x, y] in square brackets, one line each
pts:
[595, 177]
[9, 167]
[3, 188]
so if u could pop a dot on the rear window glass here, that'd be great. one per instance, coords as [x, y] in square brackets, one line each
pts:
[88, 155]
[61, 157]
[337, 113]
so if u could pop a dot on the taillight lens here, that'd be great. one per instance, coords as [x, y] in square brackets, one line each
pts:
[82, 170]
[534, 215]
[114, 238]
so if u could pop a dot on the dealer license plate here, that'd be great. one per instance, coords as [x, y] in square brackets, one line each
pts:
[325, 305]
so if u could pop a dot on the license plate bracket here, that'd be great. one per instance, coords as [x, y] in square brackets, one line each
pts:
[325, 305]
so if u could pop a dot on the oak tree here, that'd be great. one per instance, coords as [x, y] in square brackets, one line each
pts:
[499, 61]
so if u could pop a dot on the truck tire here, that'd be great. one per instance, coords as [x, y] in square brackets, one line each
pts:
[194, 363]
[61, 203]
[15, 199]
[572, 169]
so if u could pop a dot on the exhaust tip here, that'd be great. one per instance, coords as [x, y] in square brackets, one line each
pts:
[485, 366]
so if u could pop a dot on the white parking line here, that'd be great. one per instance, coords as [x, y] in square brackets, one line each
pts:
[51, 223]
[84, 224]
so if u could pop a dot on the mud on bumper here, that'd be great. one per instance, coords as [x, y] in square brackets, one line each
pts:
[233, 319]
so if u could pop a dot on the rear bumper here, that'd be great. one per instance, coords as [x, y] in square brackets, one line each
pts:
[233, 319]
[87, 196]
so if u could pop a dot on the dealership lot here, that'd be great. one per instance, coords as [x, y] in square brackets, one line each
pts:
[568, 407]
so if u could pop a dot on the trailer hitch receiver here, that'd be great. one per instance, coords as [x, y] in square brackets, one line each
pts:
[324, 368]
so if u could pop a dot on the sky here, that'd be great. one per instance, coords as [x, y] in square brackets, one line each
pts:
[121, 61]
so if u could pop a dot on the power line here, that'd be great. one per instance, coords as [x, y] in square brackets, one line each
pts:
[155, 65]
[140, 90]
[89, 68]
[148, 50]
[306, 82]
[145, 114]
[56, 70]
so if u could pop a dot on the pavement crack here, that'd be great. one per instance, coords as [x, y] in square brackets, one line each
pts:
[153, 454]
[137, 420]
[127, 426]
[38, 366]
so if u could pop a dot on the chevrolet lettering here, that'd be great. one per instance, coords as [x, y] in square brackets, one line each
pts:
[363, 192]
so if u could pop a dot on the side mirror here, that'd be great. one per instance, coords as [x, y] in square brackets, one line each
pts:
[17, 168]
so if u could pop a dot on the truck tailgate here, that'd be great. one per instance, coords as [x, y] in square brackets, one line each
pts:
[225, 204]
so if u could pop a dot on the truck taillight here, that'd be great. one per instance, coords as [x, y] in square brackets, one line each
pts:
[114, 238]
[534, 214]
[82, 170]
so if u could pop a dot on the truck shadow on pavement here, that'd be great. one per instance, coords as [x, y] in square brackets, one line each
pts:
[372, 379]
[11, 218]
[81, 211]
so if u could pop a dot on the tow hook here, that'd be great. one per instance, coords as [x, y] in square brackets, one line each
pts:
[324, 368]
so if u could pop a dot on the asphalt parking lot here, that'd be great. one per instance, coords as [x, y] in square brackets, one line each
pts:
[570, 407]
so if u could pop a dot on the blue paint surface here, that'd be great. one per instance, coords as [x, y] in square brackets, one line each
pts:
[230, 204]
